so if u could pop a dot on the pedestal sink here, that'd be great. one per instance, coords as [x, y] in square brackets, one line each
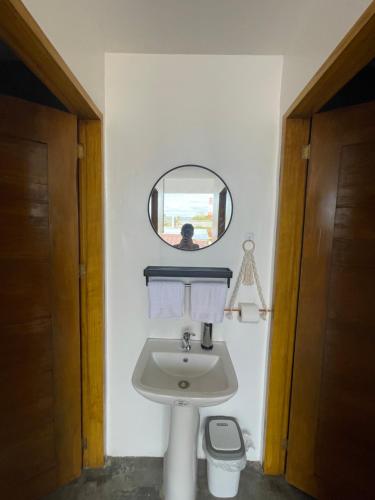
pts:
[186, 381]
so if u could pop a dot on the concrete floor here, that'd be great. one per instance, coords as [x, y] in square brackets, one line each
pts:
[141, 478]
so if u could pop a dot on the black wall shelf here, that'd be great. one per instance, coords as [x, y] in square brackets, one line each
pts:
[187, 272]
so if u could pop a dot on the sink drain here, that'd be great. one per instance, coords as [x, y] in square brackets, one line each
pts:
[183, 384]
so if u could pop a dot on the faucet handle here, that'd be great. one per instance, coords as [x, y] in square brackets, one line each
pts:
[186, 335]
[186, 345]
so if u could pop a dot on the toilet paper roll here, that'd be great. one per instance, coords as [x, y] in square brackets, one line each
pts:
[249, 312]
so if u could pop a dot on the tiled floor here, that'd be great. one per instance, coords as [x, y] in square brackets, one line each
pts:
[140, 479]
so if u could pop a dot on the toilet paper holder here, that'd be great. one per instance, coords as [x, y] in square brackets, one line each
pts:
[237, 309]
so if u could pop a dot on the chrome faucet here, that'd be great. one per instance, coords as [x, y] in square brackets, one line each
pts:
[186, 341]
[207, 336]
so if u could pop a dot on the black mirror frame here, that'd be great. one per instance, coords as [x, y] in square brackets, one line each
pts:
[171, 170]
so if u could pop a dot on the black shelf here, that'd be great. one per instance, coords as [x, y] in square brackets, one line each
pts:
[187, 272]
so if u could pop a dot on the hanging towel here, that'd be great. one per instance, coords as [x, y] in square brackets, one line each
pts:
[208, 301]
[166, 299]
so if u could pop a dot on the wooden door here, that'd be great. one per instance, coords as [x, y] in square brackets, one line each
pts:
[331, 432]
[40, 409]
[155, 209]
[222, 212]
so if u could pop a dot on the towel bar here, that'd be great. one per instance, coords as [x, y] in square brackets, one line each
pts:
[188, 272]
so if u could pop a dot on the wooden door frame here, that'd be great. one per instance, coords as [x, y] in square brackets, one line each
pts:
[23, 35]
[353, 53]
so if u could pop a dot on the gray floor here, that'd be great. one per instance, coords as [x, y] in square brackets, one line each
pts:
[140, 479]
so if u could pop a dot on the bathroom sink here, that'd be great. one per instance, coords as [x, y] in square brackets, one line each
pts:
[167, 374]
[184, 380]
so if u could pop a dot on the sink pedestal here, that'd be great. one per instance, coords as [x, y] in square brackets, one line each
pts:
[180, 461]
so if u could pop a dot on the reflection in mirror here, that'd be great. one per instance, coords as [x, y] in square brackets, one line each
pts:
[190, 207]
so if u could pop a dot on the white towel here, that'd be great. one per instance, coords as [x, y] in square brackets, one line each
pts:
[166, 299]
[208, 301]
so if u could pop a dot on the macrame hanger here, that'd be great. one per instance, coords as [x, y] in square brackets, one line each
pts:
[247, 276]
[248, 272]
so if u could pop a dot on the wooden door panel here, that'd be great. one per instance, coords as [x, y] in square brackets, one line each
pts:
[348, 340]
[354, 295]
[34, 417]
[222, 212]
[345, 435]
[35, 212]
[155, 209]
[19, 282]
[31, 456]
[21, 241]
[349, 254]
[28, 346]
[38, 484]
[30, 179]
[24, 194]
[332, 405]
[356, 185]
[353, 221]
[39, 300]
[36, 387]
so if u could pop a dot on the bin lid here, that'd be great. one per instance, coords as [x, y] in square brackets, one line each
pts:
[224, 439]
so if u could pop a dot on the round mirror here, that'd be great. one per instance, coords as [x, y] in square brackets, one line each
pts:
[190, 207]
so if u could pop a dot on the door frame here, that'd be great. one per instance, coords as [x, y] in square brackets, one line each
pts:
[23, 35]
[354, 52]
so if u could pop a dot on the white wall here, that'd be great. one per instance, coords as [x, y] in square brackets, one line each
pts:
[319, 29]
[163, 111]
[73, 29]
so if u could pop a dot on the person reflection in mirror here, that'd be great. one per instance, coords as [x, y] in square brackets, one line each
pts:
[186, 243]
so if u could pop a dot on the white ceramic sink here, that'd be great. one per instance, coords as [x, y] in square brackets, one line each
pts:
[167, 374]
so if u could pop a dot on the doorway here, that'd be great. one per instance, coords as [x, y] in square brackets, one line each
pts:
[40, 414]
[353, 54]
[58, 248]
[331, 437]
[331, 401]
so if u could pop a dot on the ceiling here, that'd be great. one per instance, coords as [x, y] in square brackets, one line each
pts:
[197, 26]
[208, 26]
[181, 26]
[303, 31]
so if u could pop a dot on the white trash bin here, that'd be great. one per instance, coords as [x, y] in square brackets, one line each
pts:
[226, 456]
